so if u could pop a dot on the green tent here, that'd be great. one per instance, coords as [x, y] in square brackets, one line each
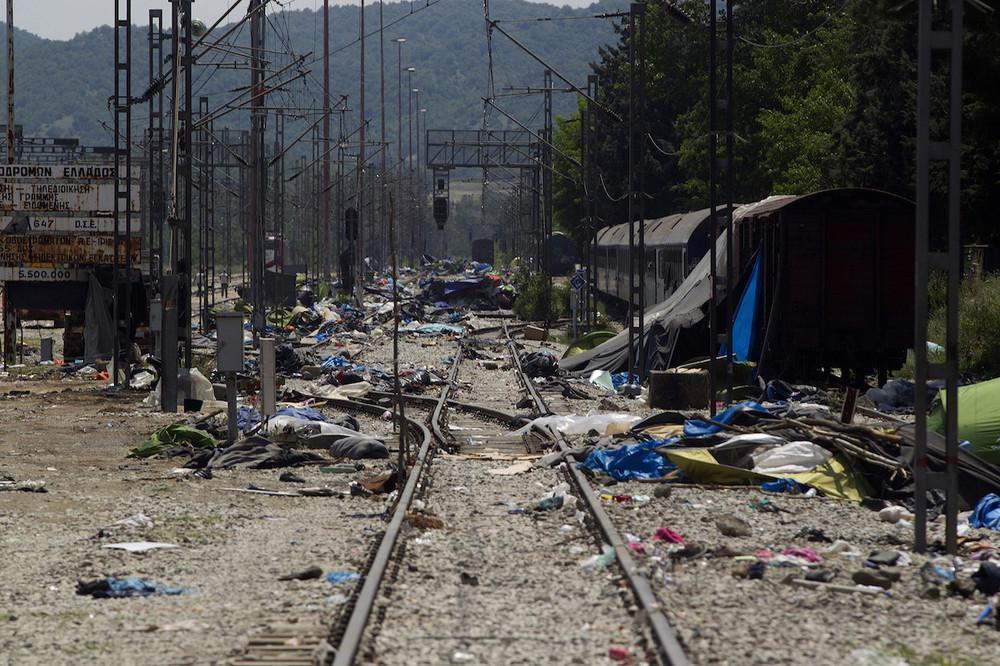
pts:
[978, 418]
[588, 341]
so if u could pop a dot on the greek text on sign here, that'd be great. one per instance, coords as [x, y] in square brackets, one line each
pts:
[62, 197]
[71, 223]
[16, 250]
[63, 171]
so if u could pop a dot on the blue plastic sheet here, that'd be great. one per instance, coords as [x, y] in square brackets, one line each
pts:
[987, 513]
[335, 362]
[341, 577]
[784, 486]
[119, 588]
[437, 329]
[746, 410]
[630, 462]
[745, 323]
[618, 379]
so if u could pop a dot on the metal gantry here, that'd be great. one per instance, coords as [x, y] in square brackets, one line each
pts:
[946, 148]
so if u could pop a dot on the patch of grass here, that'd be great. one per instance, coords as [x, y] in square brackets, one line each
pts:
[914, 658]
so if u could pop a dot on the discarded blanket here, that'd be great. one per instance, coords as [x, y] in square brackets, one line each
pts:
[255, 453]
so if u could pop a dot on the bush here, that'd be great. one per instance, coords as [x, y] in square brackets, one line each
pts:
[978, 325]
[531, 296]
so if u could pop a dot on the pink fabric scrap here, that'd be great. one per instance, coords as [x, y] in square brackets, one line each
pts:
[807, 554]
[668, 535]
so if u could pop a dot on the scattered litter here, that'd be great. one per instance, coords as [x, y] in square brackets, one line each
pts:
[341, 577]
[140, 546]
[310, 573]
[606, 557]
[511, 470]
[424, 521]
[117, 588]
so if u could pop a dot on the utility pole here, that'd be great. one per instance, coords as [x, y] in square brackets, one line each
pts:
[9, 324]
[383, 183]
[409, 158]
[360, 196]
[399, 133]
[943, 147]
[326, 141]
[258, 164]
[591, 206]
[547, 209]
[640, 195]
[154, 165]
[123, 169]
[720, 102]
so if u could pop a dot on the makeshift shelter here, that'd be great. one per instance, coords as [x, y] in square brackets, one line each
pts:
[978, 418]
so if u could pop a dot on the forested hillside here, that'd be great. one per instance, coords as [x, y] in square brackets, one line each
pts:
[62, 87]
[824, 94]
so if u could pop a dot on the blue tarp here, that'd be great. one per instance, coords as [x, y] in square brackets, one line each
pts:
[752, 410]
[987, 513]
[630, 462]
[460, 286]
[745, 323]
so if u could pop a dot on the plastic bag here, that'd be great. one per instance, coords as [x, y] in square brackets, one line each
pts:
[791, 458]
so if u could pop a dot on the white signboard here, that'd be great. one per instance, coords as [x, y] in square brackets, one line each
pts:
[28, 274]
[72, 223]
[62, 197]
[61, 171]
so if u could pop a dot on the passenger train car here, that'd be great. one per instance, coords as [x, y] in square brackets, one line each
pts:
[674, 246]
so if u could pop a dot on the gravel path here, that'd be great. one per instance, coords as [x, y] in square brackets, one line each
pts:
[722, 619]
[493, 587]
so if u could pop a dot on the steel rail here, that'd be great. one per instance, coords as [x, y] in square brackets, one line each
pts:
[350, 642]
[353, 634]
[669, 648]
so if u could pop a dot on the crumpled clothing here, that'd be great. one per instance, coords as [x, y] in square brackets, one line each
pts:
[805, 553]
[667, 535]
[542, 363]
[987, 513]
[119, 588]
[175, 436]
[359, 447]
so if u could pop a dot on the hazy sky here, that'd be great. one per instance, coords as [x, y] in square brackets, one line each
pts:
[61, 19]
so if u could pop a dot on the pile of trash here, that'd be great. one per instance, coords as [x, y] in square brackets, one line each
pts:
[291, 437]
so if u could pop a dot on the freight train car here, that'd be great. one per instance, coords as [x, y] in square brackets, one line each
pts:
[482, 251]
[836, 278]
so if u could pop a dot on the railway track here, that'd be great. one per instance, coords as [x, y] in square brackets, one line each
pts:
[373, 626]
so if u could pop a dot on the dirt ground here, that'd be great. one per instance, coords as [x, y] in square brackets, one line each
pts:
[232, 546]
